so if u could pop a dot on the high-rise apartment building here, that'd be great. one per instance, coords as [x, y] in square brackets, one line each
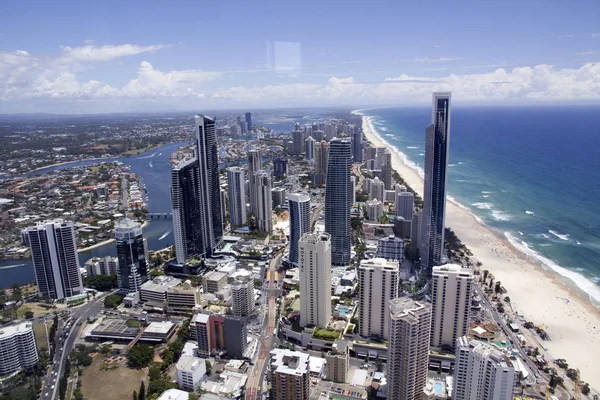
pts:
[209, 184]
[482, 372]
[242, 297]
[378, 284]
[279, 197]
[254, 165]
[452, 286]
[309, 148]
[321, 161]
[236, 190]
[185, 201]
[289, 375]
[298, 142]
[315, 279]
[408, 349]
[391, 248]
[338, 362]
[416, 234]
[405, 205]
[376, 190]
[17, 348]
[338, 194]
[264, 201]
[357, 145]
[54, 254]
[299, 211]
[353, 189]
[437, 144]
[249, 121]
[386, 170]
[131, 251]
[280, 167]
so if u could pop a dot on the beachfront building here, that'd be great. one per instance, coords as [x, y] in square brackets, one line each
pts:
[315, 279]
[236, 191]
[209, 185]
[299, 211]
[264, 201]
[337, 200]
[357, 145]
[17, 348]
[185, 192]
[254, 165]
[408, 348]
[452, 286]
[321, 160]
[131, 252]
[482, 372]
[289, 375]
[436, 178]
[374, 210]
[376, 189]
[55, 262]
[378, 285]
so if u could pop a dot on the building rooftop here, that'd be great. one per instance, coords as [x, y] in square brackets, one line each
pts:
[201, 318]
[289, 362]
[160, 284]
[215, 275]
[174, 394]
[189, 363]
[162, 327]
[16, 329]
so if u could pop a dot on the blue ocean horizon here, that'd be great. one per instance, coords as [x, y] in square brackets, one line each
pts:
[531, 173]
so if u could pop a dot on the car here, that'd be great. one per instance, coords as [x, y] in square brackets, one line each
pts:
[52, 387]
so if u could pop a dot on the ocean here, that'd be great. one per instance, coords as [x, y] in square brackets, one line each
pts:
[530, 173]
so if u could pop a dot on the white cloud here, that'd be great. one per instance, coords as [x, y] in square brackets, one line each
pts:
[439, 59]
[104, 53]
[585, 53]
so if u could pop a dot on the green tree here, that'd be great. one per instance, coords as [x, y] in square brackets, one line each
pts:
[155, 272]
[113, 300]
[102, 283]
[193, 396]
[140, 355]
[135, 396]
[208, 367]
[142, 394]
[28, 314]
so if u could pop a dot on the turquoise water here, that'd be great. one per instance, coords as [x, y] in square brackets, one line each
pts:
[438, 387]
[530, 173]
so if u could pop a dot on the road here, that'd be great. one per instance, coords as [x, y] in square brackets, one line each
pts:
[64, 342]
[254, 386]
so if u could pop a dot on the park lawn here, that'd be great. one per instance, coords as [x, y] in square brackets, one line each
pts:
[137, 151]
[39, 332]
[123, 380]
[35, 307]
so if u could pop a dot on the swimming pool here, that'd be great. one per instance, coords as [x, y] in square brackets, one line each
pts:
[438, 387]
[344, 310]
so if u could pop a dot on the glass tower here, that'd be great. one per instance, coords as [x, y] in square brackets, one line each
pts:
[299, 208]
[131, 251]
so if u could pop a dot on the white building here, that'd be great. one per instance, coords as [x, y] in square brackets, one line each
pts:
[378, 284]
[374, 210]
[482, 372]
[338, 362]
[391, 248]
[315, 279]
[191, 371]
[264, 202]
[183, 299]
[101, 266]
[17, 348]
[242, 296]
[289, 375]
[55, 261]
[236, 191]
[156, 289]
[174, 394]
[376, 189]
[408, 349]
[452, 286]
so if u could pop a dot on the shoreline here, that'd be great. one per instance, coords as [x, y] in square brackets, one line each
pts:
[541, 296]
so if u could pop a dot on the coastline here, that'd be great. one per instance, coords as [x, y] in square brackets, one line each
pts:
[541, 296]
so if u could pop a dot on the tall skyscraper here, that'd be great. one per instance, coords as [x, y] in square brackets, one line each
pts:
[377, 190]
[386, 170]
[405, 205]
[254, 165]
[408, 349]
[242, 296]
[378, 284]
[289, 375]
[131, 251]
[416, 234]
[249, 121]
[353, 189]
[482, 372]
[309, 148]
[54, 254]
[299, 210]
[298, 142]
[315, 279]
[452, 286]
[236, 190]
[264, 201]
[337, 199]
[209, 184]
[321, 161]
[436, 178]
[357, 145]
[280, 167]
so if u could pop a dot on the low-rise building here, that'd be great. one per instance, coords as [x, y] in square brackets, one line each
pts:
[191, 371]
[101, 266]
[214, 281]
[174, 394]
[156, 289]
[183, 299]
[289, 375]
[338, 362]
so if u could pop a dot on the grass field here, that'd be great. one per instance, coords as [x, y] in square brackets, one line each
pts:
[40, 335]
[37, 310]
[123, 381]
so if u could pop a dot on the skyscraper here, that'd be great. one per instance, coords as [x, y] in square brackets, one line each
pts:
[242, 296]
[436, 178]
[386, 170]
[321, 160]
[54, 254]
[289, 375]
[315, 279]
[17, 348]
[280, 167]
[298, 140]
[337, 200]
[209, 184]
[357, 145]
[452, 286]
[236, 190]
[405, 205]
[309, 148]
[249, 121]
[378, 284]
[377, 190]
[264, 201]
[390, 248]
[482, 372]
[131, 251]
[408, 349]
[299, 210]
[185, 203]
[254, 165]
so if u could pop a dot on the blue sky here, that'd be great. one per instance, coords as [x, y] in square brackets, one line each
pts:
[73, 56]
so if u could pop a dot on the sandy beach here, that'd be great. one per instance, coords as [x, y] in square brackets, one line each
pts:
[541, 296]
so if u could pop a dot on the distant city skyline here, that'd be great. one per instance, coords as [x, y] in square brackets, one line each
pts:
[138, 58]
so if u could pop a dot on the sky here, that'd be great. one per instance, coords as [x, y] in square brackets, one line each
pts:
[120, 56]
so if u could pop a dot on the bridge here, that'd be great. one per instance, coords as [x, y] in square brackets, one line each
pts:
[159, 216]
